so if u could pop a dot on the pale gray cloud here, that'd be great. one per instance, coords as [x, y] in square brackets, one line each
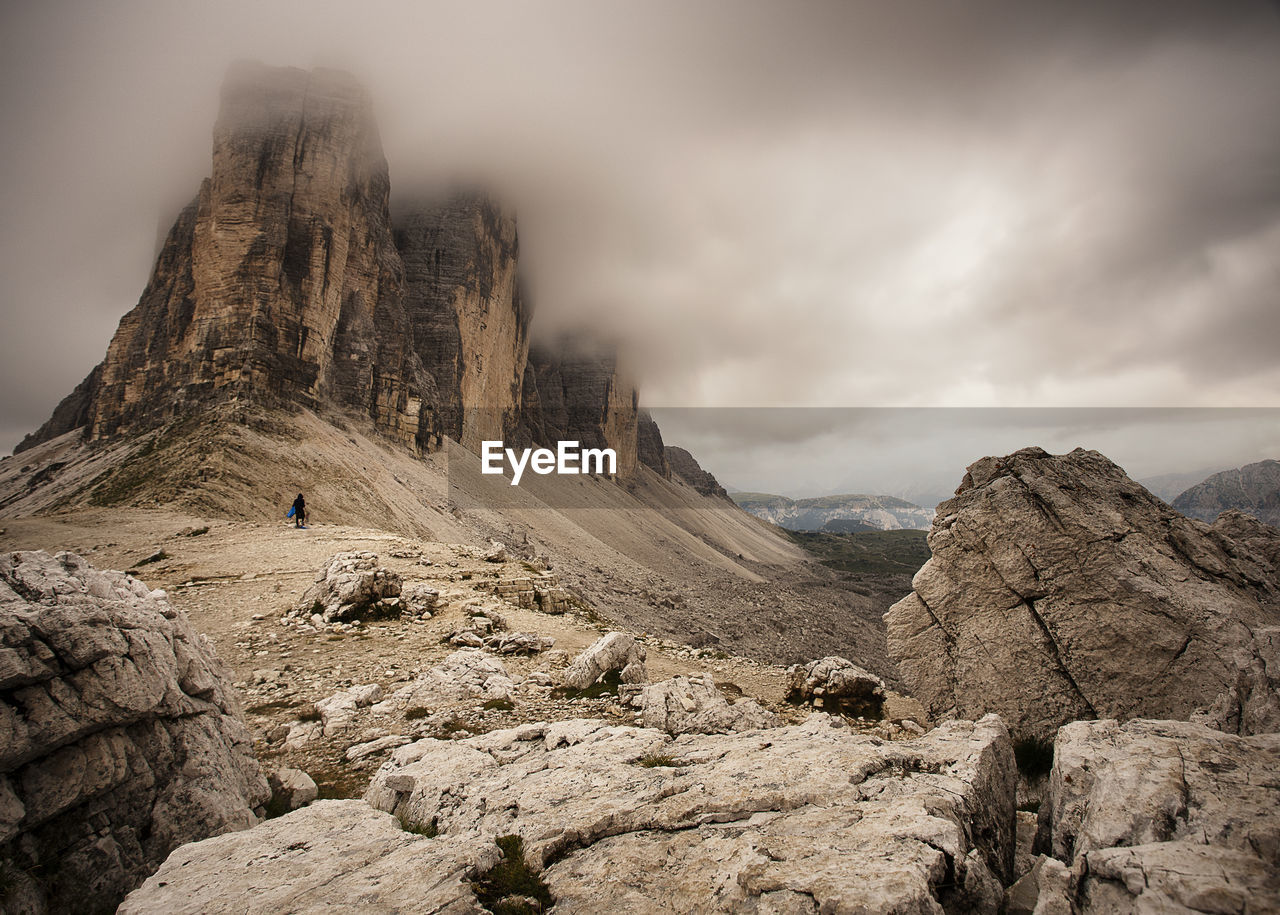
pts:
[991, 203]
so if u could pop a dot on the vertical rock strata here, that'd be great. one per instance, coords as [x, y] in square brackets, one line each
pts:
[575, 394]
[470, 325]
[280, 283]
[284, 284]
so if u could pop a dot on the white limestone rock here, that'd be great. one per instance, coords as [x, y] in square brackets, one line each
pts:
[120, 737]
[614, 651]
[693, 705]
[351, 586]
[801, 818]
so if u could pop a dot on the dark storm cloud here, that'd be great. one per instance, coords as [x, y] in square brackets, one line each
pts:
[814, 204]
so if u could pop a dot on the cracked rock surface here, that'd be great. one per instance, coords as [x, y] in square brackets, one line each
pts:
[1166, 816]
[329, 857]
[120, 738]
[1059, 589]
[803, 818]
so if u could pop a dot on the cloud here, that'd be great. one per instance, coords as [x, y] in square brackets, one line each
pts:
[995, 203]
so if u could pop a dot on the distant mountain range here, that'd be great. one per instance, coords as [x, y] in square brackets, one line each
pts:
[842, 513]
[1253, 489]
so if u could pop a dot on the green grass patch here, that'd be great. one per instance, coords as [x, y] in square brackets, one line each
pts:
[867, 552]
[1034, 756]
[504, 889]
[658, 760]
[498, 705]
[1029, 806]
[428, 830]
[605, 686]
[416, 713]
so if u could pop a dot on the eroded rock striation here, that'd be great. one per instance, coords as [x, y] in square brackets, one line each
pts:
[119, 736]
[1165, 816]
[1059, 589]
[280, 282]
[801, 818]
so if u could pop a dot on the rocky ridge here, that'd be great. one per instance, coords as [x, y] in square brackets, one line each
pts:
[1253, 489]
[286, 283]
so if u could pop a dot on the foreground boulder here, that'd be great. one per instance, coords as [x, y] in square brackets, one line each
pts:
[120, 738]
[612, 652]
[351, 586]
[801, 818]
[836, 685]
[693, 705]
[1059, 589]
[333, 856]
[1165, 816]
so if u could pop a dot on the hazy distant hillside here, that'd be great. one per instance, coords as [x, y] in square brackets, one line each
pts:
[1253, 489]
[1169, 486]
[884, 513]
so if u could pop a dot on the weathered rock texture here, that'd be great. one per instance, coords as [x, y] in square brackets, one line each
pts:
[694, 705]
[1253, 489]
[1059, 590]
[684, 467]
[1165, 816]
[575, 393]
[351, 586]
[836, 685]
[119, 736]
[650, 450]
[280, 282]
[332, 856]
[613, 652]
[802, 818]
[470, 325]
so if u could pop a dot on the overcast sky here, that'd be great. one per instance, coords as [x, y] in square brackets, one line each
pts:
[867, 204]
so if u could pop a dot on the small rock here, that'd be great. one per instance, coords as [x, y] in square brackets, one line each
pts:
[291, 789]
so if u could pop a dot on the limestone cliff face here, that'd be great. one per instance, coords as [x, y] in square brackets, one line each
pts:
[685, 467]
[576, 394]
[284, 283]
[470, 325]
[650, 449]
[280, 282]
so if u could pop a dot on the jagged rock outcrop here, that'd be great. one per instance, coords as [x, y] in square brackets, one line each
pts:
[612, 652]
[351, 586]
[331, 856]
[465, 674]
[120, 738]
[685, 468]
[694, 705]
[470, 323]
[574, 392]
[1165, 816]
[802, 818]
[650, 450]
[1253, 489]
[836, 685]
[279, 283]
[1059, 590]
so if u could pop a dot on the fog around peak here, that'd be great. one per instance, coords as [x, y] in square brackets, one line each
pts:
[850, 204]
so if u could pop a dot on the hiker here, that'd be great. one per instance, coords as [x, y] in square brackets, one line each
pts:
[298, 511]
